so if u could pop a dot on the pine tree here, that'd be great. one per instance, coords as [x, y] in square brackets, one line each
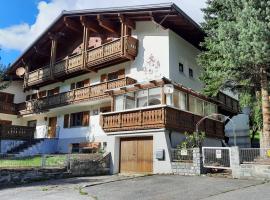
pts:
[237, 51]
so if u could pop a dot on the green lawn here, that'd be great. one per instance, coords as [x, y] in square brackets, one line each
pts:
[50, 161]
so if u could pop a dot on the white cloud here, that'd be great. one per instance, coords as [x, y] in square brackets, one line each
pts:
[19, 36]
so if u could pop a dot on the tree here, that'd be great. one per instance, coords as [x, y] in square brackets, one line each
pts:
[237, 51]
[3, 82]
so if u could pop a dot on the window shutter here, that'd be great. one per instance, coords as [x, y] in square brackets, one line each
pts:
[103, 78]
[85, 121]
[121, 73]
[66, 121]
[86, 82]
[72, 86]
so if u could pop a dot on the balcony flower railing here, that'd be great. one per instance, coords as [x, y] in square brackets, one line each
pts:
[77, 95]
[156, 117]
[122, 48]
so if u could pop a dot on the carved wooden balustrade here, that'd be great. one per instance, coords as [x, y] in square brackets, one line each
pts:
[118, 50]
[16, 132]
[159, 117]
[92, 92]
[8, 108]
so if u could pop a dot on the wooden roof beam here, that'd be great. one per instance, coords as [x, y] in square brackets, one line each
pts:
[38, 51]
[107, 24]
[130, 23]
[72, 25]
[90, 24]
[157, 22]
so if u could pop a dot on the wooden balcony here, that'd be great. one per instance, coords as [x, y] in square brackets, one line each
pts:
[159, 117]
[8, 108]
[228, 103]
[92, 92]
[12, 132]
[116, 51]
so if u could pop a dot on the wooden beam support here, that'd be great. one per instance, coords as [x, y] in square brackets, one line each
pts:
[107, 24]
[72, 25]
[53, 56]
[157, 22]
[128, 22]
[85, 45]
[38, 51]
[90, 24]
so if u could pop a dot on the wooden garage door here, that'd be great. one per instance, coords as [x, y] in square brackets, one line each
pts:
[136, 155]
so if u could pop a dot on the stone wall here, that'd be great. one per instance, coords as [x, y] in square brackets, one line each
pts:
[76, 167]
[194, 167]
[21, 176]
[87, 167]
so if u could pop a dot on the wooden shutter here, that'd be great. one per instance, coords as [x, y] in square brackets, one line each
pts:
[121, 73]
[86, 82]
[103, 78]
[85, 121]
[72, 86]
[66, 121]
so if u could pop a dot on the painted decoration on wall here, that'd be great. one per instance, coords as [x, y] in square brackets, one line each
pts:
[151, 68]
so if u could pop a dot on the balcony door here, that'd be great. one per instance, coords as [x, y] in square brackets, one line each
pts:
[52, 127]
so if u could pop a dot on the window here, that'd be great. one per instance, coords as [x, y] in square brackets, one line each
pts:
[53, 91]
[142, 98]
[42, 94]
[154, 97]
[130, 101]
[119, 103]
[80, 84]
[181, 67]
[76, 119]
[32, 123]
[112, 76]
[190, 72]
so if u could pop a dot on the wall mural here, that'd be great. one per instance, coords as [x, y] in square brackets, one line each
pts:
[151, 68]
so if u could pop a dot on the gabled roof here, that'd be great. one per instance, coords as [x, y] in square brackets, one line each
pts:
[167, 15]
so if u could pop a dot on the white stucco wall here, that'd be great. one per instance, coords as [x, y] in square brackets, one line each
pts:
[16, 88]
[182, 51]
[14, 118]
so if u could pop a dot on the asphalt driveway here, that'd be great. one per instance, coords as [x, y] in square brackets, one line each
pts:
[157, 187]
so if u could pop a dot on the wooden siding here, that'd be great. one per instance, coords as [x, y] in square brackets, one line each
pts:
[159, 117]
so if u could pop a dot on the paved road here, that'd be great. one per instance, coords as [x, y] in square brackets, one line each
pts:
[141, 188]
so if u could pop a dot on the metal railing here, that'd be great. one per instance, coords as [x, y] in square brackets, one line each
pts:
[182, 155]
[216, 157]
[252, 155]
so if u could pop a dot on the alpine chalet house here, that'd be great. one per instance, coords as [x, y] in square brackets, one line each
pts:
[121, 79]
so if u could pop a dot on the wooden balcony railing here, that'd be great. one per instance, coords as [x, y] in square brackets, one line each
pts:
[228, 102]
[16, 132]
[159, 117]
[121, 49]
[77, 95]
[8, 108]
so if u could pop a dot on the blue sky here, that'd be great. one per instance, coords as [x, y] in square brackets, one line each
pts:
[22, 21]
[16, 12]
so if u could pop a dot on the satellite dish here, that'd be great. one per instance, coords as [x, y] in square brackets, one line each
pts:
[20, 71]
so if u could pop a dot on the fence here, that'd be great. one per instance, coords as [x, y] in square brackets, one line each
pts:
[216, 157]
[43, 161]
[252, 155]
[40, 161]
[182, 155]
